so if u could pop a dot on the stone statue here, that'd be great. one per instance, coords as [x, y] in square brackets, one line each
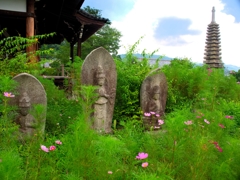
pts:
[100, 106]
[153, 97]
[25, 120]
[30, 94]
[154, 104]
[99, 70]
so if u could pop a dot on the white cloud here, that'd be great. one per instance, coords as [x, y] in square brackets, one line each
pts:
[144, 18]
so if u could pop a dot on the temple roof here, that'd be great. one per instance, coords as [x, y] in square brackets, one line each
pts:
[60, 16]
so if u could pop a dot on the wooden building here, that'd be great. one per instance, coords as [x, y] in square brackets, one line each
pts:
[64, 17]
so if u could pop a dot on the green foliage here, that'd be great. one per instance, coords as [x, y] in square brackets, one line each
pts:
[184, 83]
[236, 75]
[61, 111]
[106, 37]
[198, 140]
[13, 58]
[189, 84]
[93, 11]
[14, 45]
[10, 165]
[63, 54]
[131, 73]
[7, 127]
[14, 66]
[208, 148]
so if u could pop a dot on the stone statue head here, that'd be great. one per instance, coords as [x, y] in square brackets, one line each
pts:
[155, 92]
[24, 104]
[100, 76]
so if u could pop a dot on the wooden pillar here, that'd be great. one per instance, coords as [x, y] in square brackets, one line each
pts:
[71, 51]
[79, 46]
[30, 31]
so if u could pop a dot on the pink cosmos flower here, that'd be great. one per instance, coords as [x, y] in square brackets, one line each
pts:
[189, 122]
[52, 148]
[209, 71]
[58, 142]
[206, 121]
[221, 125]
[152, 112]
[219, 148]
[160, 122]
[215, 143]
[157, 115]
[142, 155]
[229, 117]
[110, 172]
[145, 164]
[147, 114]
[8, 94]
[44, 148]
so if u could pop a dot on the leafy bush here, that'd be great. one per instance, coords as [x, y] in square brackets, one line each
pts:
[130, 75]
[199, 137]
[61, 111]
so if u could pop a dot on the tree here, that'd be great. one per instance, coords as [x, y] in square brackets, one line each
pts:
[236, 75]
[93, 11]
[107, 37]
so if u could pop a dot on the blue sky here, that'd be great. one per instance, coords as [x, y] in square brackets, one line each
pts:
[174, 28]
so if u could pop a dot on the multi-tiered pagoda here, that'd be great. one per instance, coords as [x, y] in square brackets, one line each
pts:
[212, 50]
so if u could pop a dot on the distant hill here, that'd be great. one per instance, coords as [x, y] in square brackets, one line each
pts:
[228, 67]
[231, 67]
[140, 56]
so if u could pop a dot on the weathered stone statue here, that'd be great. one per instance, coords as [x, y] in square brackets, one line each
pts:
[153, 97]
[100, 106]
[30, 93]
[99, 70]
[25, 120]
[154, 105]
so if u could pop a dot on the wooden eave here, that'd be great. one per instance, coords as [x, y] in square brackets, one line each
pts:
[91, 23]
[14, 14]
[64, 17]
[81, 17]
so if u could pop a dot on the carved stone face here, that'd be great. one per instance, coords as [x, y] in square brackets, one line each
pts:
[156, 96]
[24, 104]
[101, 81]
[155, 92]
[24, 110]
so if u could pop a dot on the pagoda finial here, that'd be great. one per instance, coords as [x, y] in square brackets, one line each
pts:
[213, 15]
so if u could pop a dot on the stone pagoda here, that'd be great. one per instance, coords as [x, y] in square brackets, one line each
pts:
[212, 50]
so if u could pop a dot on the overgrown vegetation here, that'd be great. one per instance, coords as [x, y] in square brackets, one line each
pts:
[198, 140]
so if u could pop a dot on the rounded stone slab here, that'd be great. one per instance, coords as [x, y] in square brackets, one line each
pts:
[99, 56]
[100, 64]
[30, 84]
[157, 84]
[30, 92]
